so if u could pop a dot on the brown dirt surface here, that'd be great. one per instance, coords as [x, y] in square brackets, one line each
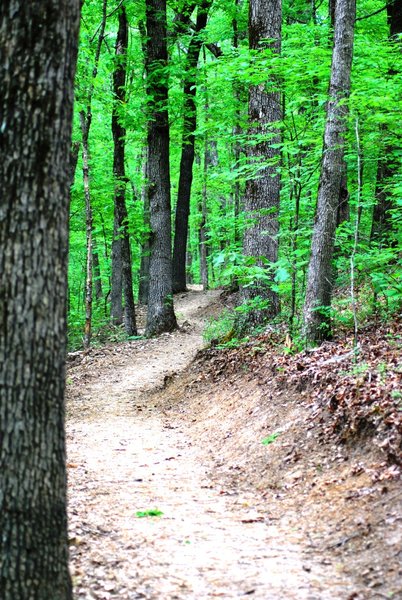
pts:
[304, 516]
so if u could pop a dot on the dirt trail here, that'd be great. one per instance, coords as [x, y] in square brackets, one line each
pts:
[126, 454]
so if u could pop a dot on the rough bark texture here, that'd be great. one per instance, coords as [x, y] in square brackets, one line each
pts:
[320, 275]
[38, 43]
[160, 315]
[119, 141]
[262, 192]
[187, 151]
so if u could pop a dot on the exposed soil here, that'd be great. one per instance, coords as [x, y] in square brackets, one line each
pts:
[299, 518]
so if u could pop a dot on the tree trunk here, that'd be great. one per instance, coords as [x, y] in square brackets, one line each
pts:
[119, 141]
[380, 225]
[116, 295]
[203, 224]
[160, 316]
[38, 45]
[262, 192]
[187, 151]
[145, 245]
[145, 249]
[96, 271]
[75, 148]
[394, 16]
[320, 276]
[85, 121]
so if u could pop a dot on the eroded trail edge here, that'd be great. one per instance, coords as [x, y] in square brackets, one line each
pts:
[132, 448]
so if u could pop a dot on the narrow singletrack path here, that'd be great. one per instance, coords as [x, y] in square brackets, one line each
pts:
[126, 455]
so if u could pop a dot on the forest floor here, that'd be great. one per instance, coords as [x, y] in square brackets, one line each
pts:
[307, 515]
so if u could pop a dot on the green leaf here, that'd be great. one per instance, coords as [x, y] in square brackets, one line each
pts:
[271, 438]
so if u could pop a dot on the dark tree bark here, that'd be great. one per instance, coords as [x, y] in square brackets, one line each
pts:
[320, 272]
[187, 150]
[145, 248]
[160, 316]
[116, 292]
[119, 141]
[394, 16]
[96, 270]
[75, 148]
[262, 192]
[343, 212]
[38, 45]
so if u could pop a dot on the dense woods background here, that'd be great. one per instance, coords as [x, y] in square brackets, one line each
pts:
[242, 93]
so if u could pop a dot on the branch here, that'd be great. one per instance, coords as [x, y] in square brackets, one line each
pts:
[214, 49]
[116, 9]
[376, 12]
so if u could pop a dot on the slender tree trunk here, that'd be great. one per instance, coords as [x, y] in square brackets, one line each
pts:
[380, 224]
[38, 46]
[187, 151]
[119, 140]
[85, 121]
[320, 273]
[296, 192]
[203, 224]
[160, 316]
[116, 295]
[343, 212]
[96, 271]
[145, 248]
[262, 192]
[145, 242]
[75, 148]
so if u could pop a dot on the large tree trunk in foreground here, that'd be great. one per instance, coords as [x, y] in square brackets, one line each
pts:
[187, 151]
[262, 192]
[38, 43]
[160, 317]
[119, 141]
[320, 272]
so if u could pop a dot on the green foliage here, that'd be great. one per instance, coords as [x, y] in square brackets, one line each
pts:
[152, 512]
[270, 438]
[221, 328]
[221, 137]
